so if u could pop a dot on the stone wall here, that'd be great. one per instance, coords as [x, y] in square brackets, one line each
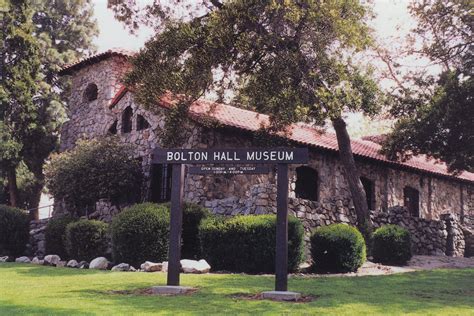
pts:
[36, 245]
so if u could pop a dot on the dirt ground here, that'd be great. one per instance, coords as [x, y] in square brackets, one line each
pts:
[415, 264]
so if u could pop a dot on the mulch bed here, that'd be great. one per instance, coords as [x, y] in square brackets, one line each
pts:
[147, 292]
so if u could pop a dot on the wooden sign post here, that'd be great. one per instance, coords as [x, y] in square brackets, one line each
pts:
[222, 158]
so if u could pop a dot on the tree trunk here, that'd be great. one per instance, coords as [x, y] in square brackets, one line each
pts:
[34, 199]
[12, 187]
[353, 179]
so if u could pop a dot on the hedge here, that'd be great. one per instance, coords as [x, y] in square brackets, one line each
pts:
[247, 243]
[55, 235]
[86, 239]
[140, 233]
[14, 230]
[391, 245]
[337, 248]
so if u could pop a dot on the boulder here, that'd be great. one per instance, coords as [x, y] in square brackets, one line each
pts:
[149, 266]
[99, 263]
[121, 267]
[164, 268]
[36, 260]
[193, 266]
[61, 264]
[83, 265]
[4, 259]
[51, 260]
[72, 264]
[23, 260]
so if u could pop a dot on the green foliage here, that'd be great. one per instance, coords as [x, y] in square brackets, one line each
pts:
[247, 243]
[337, 248]
[193, 215]
[55, 235]
[288, 59]
[86, 239]
[140, 233]
[391, 245]
[14, 231]
[441, 128]
[95, 169]
[37, 40]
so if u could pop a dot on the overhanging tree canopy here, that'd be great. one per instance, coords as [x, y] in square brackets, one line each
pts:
[289, 59]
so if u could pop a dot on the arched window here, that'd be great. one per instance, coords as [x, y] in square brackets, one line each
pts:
[127, 120]
[369, 188]
[142, 123]
[90, 93]
[411, 200]
[307, 184]
[113, 128]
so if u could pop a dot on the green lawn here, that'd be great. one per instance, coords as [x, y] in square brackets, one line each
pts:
[30, 289]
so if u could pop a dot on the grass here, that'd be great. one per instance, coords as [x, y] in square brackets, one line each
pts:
[38, 290]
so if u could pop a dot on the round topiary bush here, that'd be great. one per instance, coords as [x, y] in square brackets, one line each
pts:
[55, 234]
[86, 239]
[140, 233]
[247, 243]
[391, 245]
[337, 248]
[14, 231]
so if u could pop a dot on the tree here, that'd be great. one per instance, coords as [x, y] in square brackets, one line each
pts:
[290, 59]
[62, 32]
[436, 113]
[112, 173]
[20, 73]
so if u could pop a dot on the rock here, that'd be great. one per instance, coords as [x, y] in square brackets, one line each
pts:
[4, 259]
[121, 267]
[72, 264]
[99, 263]
[36, 260]
[23, 260]
[193, 266]
[83, 265]
[149, 266]
[165, 266]
[51, 260]
[61, 264]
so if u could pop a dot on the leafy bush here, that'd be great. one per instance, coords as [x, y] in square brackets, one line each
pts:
[94, 170]
[55, 235]
[337, 248]
[86, 239]
[391, 244]
[193, 215]
[247, 243]
[140, 233]
[14, 231]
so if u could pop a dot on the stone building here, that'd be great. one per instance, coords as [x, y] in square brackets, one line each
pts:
[99, 105]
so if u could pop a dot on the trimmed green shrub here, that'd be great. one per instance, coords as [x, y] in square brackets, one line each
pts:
[14, 230]
[337, 248]
[247, 243]
[55, 235]
[86, 239]
[140, 233]
[391, 244]
[193, 215]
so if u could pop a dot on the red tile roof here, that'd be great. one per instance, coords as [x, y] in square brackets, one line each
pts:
[68, 69]
[306, 135]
